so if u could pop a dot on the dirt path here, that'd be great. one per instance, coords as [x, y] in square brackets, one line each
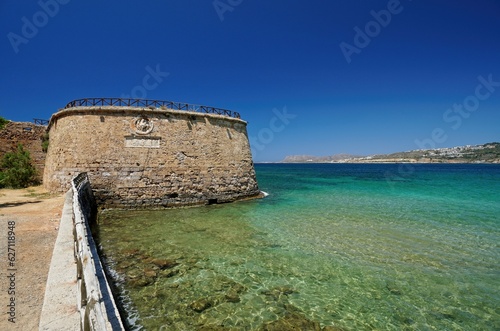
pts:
[35, 215]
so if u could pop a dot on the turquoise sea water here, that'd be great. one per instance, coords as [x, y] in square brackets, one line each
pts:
[355, 247]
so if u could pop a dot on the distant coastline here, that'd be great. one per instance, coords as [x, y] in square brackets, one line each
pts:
[485, 153]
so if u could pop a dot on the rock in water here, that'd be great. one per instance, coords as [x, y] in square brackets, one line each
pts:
[200, 305]
[292, 322]
[164, 263]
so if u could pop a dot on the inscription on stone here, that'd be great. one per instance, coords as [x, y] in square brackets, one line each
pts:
[142, 142]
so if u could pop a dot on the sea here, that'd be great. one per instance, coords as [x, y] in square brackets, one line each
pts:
[331, 247]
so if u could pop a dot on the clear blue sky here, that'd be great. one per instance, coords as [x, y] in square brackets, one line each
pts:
[299, 72]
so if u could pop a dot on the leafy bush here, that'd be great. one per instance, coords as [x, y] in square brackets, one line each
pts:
[3, 122]
[2, 179]
[17, 169]
[45, 142]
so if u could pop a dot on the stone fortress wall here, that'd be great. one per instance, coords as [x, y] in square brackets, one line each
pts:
[148, 157]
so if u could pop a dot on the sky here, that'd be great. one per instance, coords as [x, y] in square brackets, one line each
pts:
[315, 77]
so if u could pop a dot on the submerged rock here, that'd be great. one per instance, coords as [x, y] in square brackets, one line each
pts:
[332, 328]
[140, 278]
[200, 305]
[124, 265]
[164, 263]
[393, 289]
[140, 282]
[292, 322]
[232, 296]
[149, 273]
[133, 274]
[211, 328]
[279, 291]
[131, 252]
[169, 273]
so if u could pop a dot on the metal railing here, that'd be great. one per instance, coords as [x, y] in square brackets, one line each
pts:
[147, 103]
[39, 121]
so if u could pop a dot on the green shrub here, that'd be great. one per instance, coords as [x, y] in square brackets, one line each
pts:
[3, 122]
[2, 178]
[45, 146]
[45, 142]
[17, 169]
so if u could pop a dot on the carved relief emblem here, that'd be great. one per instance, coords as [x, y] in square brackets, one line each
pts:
[142, 125]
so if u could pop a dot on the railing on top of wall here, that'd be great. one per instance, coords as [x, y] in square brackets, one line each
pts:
[39, 121]
[95, 312]
[124, 102]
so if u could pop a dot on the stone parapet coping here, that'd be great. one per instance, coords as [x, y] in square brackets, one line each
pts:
[77, 294]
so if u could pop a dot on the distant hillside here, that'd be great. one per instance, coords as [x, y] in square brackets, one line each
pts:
[486, 153]
[318, 159]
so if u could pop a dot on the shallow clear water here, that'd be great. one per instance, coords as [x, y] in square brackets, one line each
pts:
[358, 247]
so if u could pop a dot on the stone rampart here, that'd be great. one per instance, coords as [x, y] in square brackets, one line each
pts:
[150, 157]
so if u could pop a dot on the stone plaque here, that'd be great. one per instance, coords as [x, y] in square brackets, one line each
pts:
[142, 142]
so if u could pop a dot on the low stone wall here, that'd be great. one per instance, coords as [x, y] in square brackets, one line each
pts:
[95, 300]
[82, 286]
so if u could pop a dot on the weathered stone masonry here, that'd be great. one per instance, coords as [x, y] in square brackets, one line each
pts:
[151, 158]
